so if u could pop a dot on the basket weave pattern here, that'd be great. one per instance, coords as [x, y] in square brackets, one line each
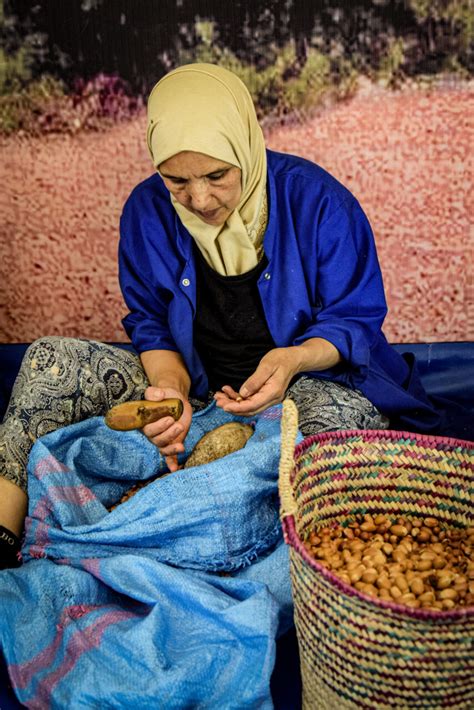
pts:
[357, 651]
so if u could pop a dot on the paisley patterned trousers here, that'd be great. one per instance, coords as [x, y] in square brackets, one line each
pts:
[65, 380]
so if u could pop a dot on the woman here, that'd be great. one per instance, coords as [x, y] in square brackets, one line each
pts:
[249, 275]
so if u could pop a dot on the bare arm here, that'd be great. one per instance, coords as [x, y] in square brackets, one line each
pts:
[166, 368]
[168, 377]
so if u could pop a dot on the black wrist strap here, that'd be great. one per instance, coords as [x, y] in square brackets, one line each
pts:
[9, 538]
[9, 548]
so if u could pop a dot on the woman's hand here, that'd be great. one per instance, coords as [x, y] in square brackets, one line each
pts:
[267, 385]
[269, 382]
[165, 433]
[169, 378]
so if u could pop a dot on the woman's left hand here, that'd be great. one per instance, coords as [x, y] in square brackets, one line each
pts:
[267, 385]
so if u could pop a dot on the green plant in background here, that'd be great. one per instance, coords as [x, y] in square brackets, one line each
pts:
[15, 63]
[283, 87]
[263, 86]
[459, 13]
[24, 101]
[449, 27]
[44, 106]
[32, 108]
[293, 56]
[15, 69]
[306, 90]
[390, 72]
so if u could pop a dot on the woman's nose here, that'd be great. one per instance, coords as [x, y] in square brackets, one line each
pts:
[199, 195]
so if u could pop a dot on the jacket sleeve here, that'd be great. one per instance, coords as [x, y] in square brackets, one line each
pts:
[139, 263]
[348, 299]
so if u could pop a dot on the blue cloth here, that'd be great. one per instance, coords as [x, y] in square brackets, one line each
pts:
[114, 609]
[322, 280]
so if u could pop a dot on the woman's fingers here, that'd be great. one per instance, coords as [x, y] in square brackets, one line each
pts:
[254, 404]
[167, 434]
[172, 463]
[167, 444]
[163, 431]
[231, 393]
[264, 388]
[271, 380]
[255, 382]
[155, 394]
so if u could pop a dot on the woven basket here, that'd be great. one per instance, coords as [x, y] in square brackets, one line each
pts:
[357, 651]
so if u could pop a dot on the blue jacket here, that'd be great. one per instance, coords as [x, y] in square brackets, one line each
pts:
[322, 280]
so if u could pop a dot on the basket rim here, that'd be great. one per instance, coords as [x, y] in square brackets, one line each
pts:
[291, 538]
[428, 440]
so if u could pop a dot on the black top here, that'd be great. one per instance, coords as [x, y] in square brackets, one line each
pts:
[230, 330]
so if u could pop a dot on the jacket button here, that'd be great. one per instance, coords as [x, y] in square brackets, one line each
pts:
[186, 282]
[267, 276]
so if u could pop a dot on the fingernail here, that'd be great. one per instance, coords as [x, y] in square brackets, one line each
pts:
[244, 392]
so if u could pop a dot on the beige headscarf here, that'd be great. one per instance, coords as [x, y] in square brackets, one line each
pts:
[207, 109]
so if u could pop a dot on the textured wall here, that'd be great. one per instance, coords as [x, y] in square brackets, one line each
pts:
[406, 156]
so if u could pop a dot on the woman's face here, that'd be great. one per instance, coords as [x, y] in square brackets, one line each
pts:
[207, 187]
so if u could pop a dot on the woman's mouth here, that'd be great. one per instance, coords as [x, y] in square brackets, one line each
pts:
[208, 215]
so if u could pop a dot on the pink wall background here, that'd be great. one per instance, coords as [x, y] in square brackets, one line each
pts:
[407, 156]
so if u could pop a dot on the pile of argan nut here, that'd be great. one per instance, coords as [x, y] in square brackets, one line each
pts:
[419, 562]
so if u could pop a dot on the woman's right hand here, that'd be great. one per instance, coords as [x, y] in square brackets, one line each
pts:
[167, 434]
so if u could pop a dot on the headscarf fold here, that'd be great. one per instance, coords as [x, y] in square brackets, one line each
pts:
[207, 109]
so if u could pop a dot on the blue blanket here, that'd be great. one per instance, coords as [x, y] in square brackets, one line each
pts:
[172, 600]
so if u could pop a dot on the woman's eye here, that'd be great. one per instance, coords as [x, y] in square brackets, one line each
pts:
[216, 176]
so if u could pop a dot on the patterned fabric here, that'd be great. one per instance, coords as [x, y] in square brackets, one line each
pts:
[328, 406]
[63, 381]
[66, 380]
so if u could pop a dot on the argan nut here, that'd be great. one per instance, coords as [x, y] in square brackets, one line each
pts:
[398, 555]
[409, 599]
[417, 586]
[448, 594]
[427, 597]
[379, 558]
[399, 530]
[383, 582]
[448, 604]
[444, 581]
[356, 575]
[424, 564]
[401, 583]
[424, 535]
[370, 575]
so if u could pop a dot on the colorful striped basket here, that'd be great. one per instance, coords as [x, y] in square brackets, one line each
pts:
[357, 651]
